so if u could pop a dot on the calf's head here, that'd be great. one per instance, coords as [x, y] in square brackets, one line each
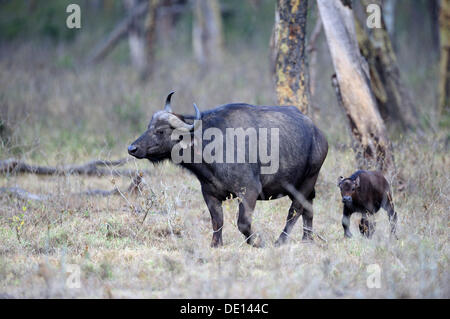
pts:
[348, 189]
[156, 143]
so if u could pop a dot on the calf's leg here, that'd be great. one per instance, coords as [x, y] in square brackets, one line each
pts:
[346, 222]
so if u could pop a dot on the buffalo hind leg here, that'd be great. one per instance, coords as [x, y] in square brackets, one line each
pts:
[308, 191]
[302, 200]
[246, 207]
[215, 209]
[295, 211]
[366, 226]
[308, 220]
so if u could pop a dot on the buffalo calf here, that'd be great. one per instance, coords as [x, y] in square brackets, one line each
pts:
[366, 192]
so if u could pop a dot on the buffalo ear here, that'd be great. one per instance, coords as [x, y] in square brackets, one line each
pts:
[357, 180]
[339, 181]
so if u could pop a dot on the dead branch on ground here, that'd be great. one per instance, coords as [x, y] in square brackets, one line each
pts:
[93, 168]
[25, 195]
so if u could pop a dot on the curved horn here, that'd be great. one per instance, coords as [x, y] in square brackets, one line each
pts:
[197, 119]
[198, 115]
[167, 107]
[176, 122]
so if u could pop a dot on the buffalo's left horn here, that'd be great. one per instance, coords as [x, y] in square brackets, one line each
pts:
[167, 107]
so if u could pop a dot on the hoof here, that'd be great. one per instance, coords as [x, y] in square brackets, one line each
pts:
[279, 243]
[216, 244]
[255, 241]
[258, 243]
[281, 240]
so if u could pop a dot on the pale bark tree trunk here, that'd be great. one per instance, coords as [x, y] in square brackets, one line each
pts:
[150, 30]
[142, 38]
[392, 96]
[207, 38]
[166, 22]
[312, 53]
[136, 40]
[273, 45]
[389, 17]
[312, 68]
[366, 124]
[290, 67]
[444, 77]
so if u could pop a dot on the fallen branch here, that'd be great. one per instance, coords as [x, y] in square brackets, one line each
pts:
[93, 168]
[22, 194]
[25, 195]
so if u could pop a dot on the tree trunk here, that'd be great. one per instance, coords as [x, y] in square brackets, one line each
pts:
[312, 53]
[166, 23]
[136, 41]
[444, 83]
[392, 96]
[366, 124]
[150, 29]
[207, 38]
[290, 68]
[433, 7]
[389, 17]
[273, 45]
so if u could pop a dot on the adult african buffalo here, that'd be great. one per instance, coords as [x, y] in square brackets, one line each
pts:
[287, 163]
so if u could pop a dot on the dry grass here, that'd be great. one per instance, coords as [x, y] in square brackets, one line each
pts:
[75, 116]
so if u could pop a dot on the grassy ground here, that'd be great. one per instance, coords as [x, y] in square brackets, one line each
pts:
[64, 116]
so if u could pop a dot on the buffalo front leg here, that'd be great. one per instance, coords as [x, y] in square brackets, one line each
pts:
[215, 209]
[246, 207]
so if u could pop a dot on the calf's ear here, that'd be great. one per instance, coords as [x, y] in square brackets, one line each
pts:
[339, 181]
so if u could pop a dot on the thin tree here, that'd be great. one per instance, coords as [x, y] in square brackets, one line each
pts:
[136, 40]
[150, 29]
[353, 84]
[288, 41]
[444, 81]
[207, 38]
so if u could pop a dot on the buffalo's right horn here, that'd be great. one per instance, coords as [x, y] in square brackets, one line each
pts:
[198, 115]
[176, 122]
[167, 107]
